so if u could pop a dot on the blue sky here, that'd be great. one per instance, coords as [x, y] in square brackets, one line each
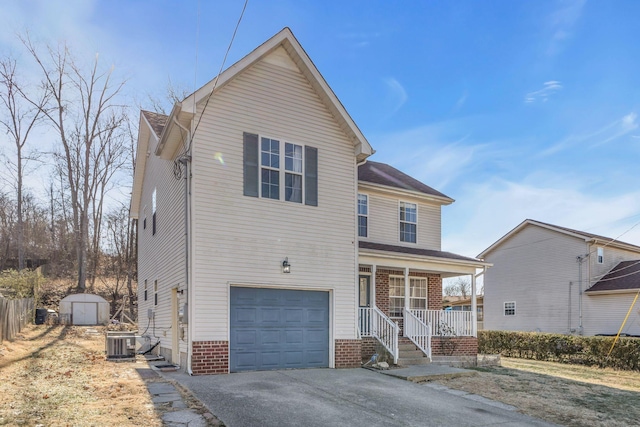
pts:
[516, 109]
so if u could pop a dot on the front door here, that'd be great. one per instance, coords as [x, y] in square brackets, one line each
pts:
[364, 297]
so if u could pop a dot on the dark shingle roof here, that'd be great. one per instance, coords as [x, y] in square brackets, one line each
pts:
[625, 275]
[383, 174]
[156, 120]
[414, 251]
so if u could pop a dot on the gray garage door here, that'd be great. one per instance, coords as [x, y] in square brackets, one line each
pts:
[278, 329]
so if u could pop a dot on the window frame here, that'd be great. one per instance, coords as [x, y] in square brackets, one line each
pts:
[600, 255]
[419, 298]
[145, 289]
[509, 311]
[154, 196]
[364, 216]
[282, 170]
[401, 233]
[393, 311]
[155, 292]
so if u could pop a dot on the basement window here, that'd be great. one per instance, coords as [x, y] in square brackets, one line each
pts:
[600, 253]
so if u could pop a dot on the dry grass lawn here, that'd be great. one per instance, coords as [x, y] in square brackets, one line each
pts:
[569, 395]
[58, 376]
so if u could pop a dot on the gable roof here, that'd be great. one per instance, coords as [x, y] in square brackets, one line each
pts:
[285, 38]
[587, 237]
[388, 176]
[622, 277]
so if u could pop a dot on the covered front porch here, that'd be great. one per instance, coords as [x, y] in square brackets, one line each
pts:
[400, 299]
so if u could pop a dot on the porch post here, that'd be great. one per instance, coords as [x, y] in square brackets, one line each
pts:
[374, 267]
[474, 307]
[406, 288]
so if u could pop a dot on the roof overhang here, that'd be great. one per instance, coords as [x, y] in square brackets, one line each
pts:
[612, 291]
[286, 39]
[146, 137]
[175, 133]
[393, 191]
[446, 267]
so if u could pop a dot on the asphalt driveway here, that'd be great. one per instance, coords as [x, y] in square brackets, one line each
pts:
[340, 397]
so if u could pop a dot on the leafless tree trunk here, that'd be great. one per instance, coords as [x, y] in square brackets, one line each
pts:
[18, 122]
[83, 111]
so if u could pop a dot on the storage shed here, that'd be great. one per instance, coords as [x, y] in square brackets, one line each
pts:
[84, 309]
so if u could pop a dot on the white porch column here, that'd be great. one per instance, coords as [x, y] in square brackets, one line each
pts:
[474, 307]
[374, 267]
[406, 288]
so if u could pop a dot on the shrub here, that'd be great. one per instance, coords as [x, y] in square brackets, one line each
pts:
[581, 350]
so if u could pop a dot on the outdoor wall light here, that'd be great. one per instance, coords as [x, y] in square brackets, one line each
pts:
[286, 267]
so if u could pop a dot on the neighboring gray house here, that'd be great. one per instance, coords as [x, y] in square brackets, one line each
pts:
[555, 279]
[265, 238]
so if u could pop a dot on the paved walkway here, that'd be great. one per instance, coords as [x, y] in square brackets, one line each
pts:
[169, 402]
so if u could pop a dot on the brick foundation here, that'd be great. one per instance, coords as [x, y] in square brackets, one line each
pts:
[454, 346]
[210, 357]
[348, 353]
[368, 348]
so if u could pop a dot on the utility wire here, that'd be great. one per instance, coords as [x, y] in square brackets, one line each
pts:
[215, 82]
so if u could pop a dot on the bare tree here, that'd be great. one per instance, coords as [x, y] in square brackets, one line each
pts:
[82, 109]
[19, 120]
[461, 286]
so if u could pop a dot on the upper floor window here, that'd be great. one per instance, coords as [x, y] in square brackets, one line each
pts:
[363, 212]
[408, 222]
[275, 169]
[600, 253]
[510, 308]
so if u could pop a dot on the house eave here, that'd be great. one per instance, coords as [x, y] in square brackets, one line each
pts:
[145, 134]
[612, 291]
[173, 135]
[444, 266]
[394, 191]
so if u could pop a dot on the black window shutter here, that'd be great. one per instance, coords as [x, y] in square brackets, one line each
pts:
[310, 176]
[251, 165]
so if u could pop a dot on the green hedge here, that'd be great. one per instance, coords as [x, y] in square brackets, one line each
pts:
[591, 351]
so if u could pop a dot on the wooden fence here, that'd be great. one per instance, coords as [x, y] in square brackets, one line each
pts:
[14, 315]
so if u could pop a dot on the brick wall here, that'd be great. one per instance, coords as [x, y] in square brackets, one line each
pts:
[210, 357]
[454, 346]
[368, 348]
[348, 353]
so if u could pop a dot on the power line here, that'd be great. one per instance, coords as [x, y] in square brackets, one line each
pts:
[215, 83]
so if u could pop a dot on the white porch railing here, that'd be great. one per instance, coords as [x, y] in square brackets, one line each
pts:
[447, 323]
[418, 332]
[374, 323]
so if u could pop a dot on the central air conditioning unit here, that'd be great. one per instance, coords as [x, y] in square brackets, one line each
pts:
[121, 345]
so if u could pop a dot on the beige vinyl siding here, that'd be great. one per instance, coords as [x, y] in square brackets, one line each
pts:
[243, 240]
[534, 268]
[161, 256]
[605, 313]
[384, 221]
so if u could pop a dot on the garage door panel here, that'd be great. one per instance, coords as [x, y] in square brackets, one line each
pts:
[291, 329]
[246, 315]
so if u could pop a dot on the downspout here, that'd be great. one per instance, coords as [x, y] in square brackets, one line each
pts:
[580, 259]
[356, 249]
[185, 159]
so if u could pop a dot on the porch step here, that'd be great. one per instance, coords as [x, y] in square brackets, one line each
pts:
[409, 354]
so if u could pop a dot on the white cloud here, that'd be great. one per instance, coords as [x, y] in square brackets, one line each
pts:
[561, 24]
[607, 133]
[542, 95]
[396, 95]
[485, 212]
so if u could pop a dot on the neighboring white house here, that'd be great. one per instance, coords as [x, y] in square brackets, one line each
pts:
[555, 279]
[261, 227]
[84, 309]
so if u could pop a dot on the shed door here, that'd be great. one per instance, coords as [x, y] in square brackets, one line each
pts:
[278, 329]
[84, 313]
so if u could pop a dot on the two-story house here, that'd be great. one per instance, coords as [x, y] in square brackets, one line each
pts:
[549, 278]
[262, 228]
